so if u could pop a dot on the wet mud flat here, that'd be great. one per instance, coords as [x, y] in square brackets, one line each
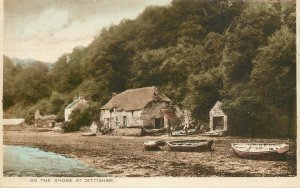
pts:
[125, 156]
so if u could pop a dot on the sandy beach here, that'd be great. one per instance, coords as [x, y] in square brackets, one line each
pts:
[125, 156]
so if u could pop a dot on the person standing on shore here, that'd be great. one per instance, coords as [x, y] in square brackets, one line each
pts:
[170, 130]
[186, 129]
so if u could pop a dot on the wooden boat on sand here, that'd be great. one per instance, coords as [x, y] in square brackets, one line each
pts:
[216, 133]
[184, 133]
[153, 145]
[190, 145]
[88, 134]
[260, 150]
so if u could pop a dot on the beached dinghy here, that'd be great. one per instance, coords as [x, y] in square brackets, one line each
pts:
[260, 150]
[190, 145]
[88, 134]
[184, 133]
[153, 145]
[215, 133]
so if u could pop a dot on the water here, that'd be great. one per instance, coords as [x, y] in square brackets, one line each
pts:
[33, 162]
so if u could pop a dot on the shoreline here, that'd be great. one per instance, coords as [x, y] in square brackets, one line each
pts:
[124, 156]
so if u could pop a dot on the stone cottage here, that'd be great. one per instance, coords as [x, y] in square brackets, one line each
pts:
[217, 118]
[141, 107]
[77, 103]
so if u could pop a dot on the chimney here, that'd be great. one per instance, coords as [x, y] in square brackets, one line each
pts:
[37, 114]
[113, 94]
[81, 97]
[75, 98]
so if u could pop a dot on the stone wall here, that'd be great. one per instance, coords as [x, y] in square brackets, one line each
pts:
[119, 119]
[46, 123]
[128, 132]
[12, 128]
[152, 111]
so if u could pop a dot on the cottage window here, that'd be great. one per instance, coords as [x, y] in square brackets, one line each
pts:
[106, 120]
[117, 121]
[124, 121]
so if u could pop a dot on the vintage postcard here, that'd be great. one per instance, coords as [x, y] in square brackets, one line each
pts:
[151, 93]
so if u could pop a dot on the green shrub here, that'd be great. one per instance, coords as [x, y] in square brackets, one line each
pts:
[82, 117]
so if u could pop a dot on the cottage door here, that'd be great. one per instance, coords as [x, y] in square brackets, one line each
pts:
[124, 121]
[159, 123]
[218, 123]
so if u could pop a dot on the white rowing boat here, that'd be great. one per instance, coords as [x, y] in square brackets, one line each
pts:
[190, 145]
[259, 150]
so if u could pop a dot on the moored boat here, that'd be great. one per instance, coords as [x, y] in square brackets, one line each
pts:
[178, 133]
[184, 133]
[153, 145]
[190, 145]
[260, 150]
[215, 133]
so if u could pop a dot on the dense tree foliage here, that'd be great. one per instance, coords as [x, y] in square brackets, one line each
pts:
[31, 84]
[9, 93]
[196, 52]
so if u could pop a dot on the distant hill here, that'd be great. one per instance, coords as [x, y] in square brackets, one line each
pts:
[28, 61]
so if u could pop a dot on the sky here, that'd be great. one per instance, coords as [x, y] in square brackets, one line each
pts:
[46, 29]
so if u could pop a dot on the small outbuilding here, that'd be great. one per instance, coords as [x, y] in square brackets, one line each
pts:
[77, 103]
[16, 122]
[217, 118]
[13, 124]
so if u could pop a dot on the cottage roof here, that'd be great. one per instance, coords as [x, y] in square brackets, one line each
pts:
[169, 114]
[135, 99]
[75, 102]
[217, 109]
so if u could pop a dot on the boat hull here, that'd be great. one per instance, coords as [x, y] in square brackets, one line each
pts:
[184, 133]
[88, 134]
[215, 133]
[190, 145]
[153, 145]
[277, 154]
